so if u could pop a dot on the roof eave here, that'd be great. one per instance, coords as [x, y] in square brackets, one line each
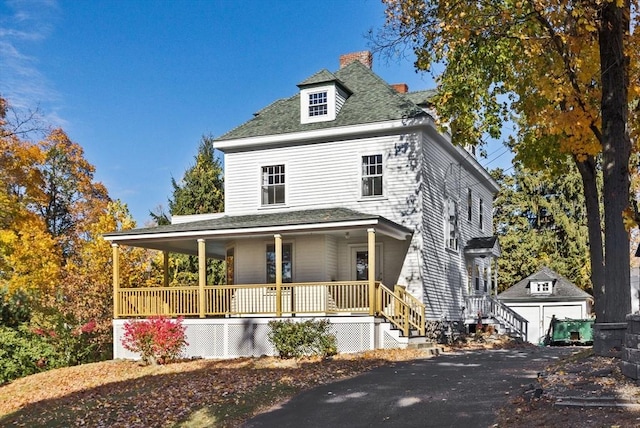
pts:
[332, 133]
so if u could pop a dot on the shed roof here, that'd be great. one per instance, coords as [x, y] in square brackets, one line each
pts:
[182, 237]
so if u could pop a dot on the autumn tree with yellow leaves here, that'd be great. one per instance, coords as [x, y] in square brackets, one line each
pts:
[566, 74]
[52, 216]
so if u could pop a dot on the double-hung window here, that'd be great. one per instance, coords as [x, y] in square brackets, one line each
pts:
[318, 105]
[372, 175]
[480, 213]
[451, 224]
[273, 185]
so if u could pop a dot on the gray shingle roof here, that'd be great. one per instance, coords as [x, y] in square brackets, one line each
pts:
[322, 76]
[422, 98]
[481, 243]
[563, 289]
[372, 100]
[287, 218]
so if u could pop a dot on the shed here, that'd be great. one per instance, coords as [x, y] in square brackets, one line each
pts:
[545, 294]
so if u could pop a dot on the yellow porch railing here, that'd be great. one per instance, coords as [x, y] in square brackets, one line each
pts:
[345, 297]
[402, 310]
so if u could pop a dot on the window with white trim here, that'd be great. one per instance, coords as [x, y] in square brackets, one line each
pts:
[287, 263]
[469, 204]
[272, 185]
[541, 287]
[372, 175]
[318, 105]
[480, 213]
[451, 224]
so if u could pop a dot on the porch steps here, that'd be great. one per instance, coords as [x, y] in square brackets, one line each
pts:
[392, 337]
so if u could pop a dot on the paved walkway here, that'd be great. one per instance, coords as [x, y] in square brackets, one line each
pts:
[461, 389]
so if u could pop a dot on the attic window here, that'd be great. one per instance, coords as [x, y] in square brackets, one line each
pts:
[541, 287]
[318, 104]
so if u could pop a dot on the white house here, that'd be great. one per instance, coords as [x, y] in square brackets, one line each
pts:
[341, 201]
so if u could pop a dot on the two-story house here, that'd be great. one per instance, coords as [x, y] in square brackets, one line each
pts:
[343, 201]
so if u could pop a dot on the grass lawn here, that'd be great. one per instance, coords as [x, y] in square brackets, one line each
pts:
[195, 393]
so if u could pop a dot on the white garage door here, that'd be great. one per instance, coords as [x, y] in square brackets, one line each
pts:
[533, 315]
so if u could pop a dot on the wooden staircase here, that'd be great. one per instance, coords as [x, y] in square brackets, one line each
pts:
[487, 307]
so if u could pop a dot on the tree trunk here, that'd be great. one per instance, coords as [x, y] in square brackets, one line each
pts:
[616, 150]
[588, 172]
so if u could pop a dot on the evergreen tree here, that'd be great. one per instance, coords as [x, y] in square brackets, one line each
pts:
[200, 191]
[541, 222]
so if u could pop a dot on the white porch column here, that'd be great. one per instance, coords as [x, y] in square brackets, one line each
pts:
[116, 278]
[371, 240]
[495, 277]
[278, 250]
[165, 268]
[202, 275]
[489, 278]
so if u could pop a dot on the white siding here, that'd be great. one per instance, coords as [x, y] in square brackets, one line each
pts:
[331, 257]
[321, 175]
[445, 276]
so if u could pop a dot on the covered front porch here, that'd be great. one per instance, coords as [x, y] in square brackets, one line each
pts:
[329, 263]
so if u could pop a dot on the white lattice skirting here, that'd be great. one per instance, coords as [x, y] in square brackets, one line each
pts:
[244, 337]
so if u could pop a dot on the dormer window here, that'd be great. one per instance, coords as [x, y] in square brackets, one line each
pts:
[318, 104]
[541, 287]
[321, 97]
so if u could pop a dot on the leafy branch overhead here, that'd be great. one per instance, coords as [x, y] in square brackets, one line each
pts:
[565, 74]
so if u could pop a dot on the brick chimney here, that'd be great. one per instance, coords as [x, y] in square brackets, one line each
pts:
[401, 88]
[363, 56]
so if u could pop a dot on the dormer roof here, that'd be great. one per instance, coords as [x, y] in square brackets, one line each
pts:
[322, 77]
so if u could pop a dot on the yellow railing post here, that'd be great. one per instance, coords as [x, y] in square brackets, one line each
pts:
[165, 268]
[371, 239]
[116, 278]
[202, 275]
[278, 248]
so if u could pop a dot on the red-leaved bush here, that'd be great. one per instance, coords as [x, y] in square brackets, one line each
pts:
[158, 339]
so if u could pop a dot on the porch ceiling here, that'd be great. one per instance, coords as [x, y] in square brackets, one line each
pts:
[182, 237]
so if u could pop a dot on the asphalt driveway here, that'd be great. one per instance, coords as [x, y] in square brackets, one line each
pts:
[461, 389]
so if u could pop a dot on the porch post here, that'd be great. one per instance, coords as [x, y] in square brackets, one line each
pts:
[371, 240]
[165, 268]
[489, 278]
[495, 277]
[278, 249]
[202, 275]
[116, 277]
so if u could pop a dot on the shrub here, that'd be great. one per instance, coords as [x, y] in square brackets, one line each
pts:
[23, 353]
[15, 308]
[297, 339]
[72, 339]
[157, 339]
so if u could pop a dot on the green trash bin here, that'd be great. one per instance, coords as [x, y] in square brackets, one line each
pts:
[570, 332]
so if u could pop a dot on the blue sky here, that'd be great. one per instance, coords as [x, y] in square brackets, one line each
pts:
[137, 83]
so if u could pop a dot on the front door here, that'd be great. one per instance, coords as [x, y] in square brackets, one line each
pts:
[360, 262]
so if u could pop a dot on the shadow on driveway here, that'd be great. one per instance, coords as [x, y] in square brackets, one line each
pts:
[460, 389]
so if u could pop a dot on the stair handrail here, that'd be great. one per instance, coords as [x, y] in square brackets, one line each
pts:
[401, 309]
[506, 314]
